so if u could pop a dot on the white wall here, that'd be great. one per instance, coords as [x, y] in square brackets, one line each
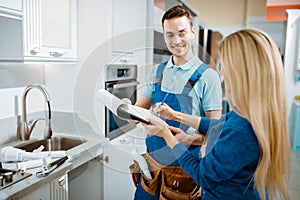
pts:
[63, 80]
[276, 29]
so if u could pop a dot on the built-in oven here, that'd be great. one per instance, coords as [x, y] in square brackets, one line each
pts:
[121, 80]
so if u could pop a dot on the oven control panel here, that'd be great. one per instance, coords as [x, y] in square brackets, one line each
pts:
[121, 72]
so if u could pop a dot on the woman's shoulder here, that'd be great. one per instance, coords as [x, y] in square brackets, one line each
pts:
[237, 122]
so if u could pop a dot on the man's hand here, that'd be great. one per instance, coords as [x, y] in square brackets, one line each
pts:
[163, 110]
[128, 101]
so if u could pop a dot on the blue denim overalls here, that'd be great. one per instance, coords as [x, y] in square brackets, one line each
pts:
[156, 146]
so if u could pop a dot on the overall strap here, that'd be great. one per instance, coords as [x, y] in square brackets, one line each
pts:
[159, 72]
[194, 78]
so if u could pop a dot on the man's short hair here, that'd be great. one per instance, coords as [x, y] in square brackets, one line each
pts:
[177, 11]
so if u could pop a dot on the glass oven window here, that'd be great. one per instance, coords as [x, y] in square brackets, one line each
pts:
[114, 125]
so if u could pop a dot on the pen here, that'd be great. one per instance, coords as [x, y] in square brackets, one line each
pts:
[164, 99]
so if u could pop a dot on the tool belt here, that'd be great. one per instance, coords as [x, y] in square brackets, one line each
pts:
[175, 183]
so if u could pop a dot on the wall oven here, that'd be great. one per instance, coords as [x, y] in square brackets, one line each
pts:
[121, 80]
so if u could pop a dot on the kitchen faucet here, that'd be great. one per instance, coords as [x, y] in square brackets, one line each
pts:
[24, 129]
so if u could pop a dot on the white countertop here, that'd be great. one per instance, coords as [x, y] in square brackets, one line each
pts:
[77, 156]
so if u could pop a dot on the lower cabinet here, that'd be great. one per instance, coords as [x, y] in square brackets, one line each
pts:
[55, 190]
[86, 181]
[118, 183]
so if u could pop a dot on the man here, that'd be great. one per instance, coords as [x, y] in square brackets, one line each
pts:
[184, 83]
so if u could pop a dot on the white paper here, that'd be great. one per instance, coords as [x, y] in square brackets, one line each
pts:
[113, 103]
[109, 100]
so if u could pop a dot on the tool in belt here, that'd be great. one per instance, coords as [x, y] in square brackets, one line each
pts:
[175, 183]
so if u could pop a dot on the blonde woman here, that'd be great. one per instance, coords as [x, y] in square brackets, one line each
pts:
[251, 157]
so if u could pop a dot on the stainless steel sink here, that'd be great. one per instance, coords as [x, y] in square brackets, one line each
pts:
[53, 144]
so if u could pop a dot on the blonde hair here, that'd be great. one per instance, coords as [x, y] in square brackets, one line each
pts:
[255, 87]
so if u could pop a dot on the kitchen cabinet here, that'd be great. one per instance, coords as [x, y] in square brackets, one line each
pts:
[128, 25]
[55, 190]
[10, 6]
[86, 181]
[42, 193]
[116, 159]
[46, 32]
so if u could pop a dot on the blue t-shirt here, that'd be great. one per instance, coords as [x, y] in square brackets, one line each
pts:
[206, 93]
[227, 171]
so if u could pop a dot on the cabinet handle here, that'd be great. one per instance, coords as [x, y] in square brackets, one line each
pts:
[56, 54]
[104, 159]
[124, 60]
[62, 181]
[35, 51]
[123, 85]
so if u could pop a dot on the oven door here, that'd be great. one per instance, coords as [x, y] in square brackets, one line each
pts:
[122, 89]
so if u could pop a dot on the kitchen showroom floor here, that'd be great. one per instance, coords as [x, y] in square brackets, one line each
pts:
[294, 182]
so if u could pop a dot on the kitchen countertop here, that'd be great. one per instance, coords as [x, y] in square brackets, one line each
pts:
[78, 155]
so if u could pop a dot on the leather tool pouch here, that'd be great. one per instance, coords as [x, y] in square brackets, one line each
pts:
[149, 185]
[135, 172]
[175, 183]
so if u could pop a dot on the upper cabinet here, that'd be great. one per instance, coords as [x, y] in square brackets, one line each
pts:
[45, 32]
[128, 25]
[10, 6]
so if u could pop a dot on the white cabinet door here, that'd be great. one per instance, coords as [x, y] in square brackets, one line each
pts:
[129, 23]
[58, 28]
[11, 4]
[117, 178]
[45, 30]
[43, 193]
[86, 181]
[50, 30]
[59, 188]
[55, 190]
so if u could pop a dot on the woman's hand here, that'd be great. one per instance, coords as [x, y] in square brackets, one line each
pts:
[187, 139]
[165, 111]
[181, 136]
[161, 130]
[157, 128]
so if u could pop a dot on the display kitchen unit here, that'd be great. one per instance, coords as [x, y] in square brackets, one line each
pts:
[55, 55]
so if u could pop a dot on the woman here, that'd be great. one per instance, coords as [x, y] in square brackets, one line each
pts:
[251, 157]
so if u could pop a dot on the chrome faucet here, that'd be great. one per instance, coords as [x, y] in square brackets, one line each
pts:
[24, 129]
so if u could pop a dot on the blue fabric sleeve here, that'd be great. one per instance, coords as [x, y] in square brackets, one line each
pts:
[204, 125]
[207, 123]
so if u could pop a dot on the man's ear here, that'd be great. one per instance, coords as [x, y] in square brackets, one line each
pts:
[193, 31]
